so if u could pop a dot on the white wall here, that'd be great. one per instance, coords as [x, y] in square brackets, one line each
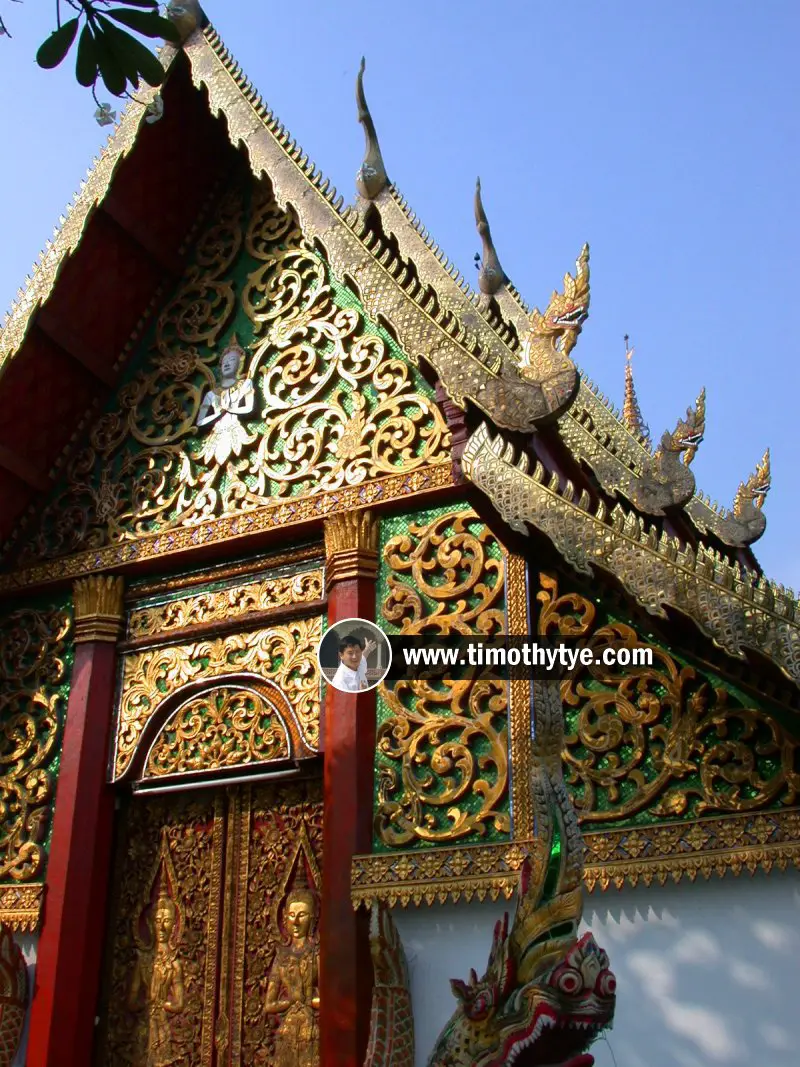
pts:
[708, 973]
[28, 943]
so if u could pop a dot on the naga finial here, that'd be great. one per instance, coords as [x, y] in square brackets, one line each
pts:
[755, 489]
[371, 178]
[631, 412]
[692, 431]
[186, 16]
[566, 313]
[491, 276]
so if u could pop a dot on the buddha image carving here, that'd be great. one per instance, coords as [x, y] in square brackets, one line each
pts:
[222, 406]
[293, 988]
[157, 983]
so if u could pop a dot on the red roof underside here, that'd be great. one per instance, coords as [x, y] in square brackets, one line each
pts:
[133, 246]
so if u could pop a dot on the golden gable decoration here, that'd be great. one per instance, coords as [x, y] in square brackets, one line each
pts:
[315, 401]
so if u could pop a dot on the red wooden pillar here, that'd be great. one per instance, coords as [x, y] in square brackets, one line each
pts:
[70, 947]
[346, 975]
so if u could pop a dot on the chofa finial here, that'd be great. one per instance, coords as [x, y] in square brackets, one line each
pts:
[186, 16]
[491, 276]
[371, 178]
[631, 412]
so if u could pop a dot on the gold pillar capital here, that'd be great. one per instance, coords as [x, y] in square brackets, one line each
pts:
[351, 546]
[98, 608]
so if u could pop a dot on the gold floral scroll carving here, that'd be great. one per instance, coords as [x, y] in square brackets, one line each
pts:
[305, 397]
[35, 663]
[284, 656]
[226, 727]
[442, 770]
[662, 741]
[197, 609]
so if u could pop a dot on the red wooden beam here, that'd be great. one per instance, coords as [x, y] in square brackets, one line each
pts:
[71, 945]
[346, 973]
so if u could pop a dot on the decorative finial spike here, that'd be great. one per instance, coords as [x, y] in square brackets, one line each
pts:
[491, 276]
[371, 178]
[631, 412]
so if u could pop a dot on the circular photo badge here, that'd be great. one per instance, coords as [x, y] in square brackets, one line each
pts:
[354, 656]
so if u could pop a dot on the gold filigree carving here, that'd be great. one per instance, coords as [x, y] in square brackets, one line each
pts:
[316, 401]
[240, 600]
[458, 569]
[227, 727]
[232, 528]
[652, 853]
[447, 746]
[98, 608]
[660, 739]
[734, 607]
[443, 747]
[351, 546]
[34, 664]
[282, 655]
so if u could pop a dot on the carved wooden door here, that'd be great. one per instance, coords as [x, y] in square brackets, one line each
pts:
[206, 963]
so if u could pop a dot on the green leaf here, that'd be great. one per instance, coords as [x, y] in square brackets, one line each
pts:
[118, 41]
[149, 24]
[53, 50]
[131, 55]
[142, 3]
[86, 63]
[111, 70]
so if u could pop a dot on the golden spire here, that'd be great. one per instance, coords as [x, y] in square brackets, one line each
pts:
[371, 178]
[631, 412]
[491, 276]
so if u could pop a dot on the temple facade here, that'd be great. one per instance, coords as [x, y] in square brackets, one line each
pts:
[239, 410]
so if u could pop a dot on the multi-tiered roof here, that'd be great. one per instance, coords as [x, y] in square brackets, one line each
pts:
[528, 428]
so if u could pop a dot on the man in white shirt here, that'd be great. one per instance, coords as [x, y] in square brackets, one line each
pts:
[351, 674]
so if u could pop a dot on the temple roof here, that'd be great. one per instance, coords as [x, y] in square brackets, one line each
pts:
[123, 241]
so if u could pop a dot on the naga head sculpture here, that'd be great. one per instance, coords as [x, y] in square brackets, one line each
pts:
[566, 313]
[753, 492]
[688, 433]
[547, 993]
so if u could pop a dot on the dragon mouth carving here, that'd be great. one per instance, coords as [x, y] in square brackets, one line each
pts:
[572, 320]
[551, 1020]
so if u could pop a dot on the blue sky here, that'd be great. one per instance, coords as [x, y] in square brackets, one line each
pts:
[667, 135]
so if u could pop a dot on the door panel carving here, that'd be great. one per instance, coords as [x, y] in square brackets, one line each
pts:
[213, 947]
[284, 831]
[164, 957]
